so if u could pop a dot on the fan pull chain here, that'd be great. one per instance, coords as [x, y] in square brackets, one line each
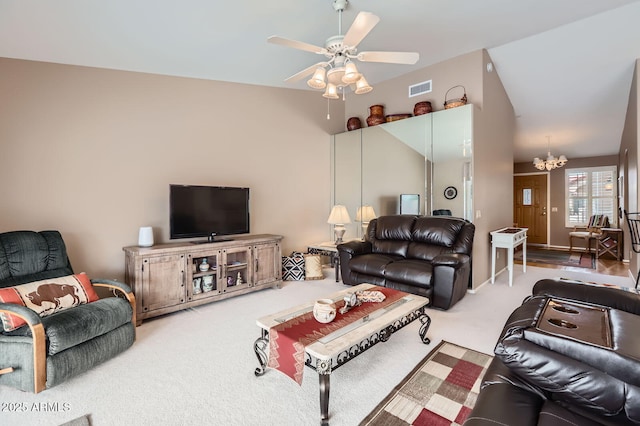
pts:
[328, 114]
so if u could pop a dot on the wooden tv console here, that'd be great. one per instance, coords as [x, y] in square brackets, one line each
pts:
[167, 277]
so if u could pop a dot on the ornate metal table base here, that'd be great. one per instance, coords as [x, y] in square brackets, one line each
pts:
[324, 367]
[260, 348]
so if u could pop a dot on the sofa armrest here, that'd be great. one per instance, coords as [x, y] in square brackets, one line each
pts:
[450, 279]
[611, 296]
[346, 252]
[355, 248]
[455, 260]
[118, 287]
[29, 316]
[34, 322]
[112, 284]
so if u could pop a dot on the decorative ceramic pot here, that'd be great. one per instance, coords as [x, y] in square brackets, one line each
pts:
[196, 285]
[204, 266]
[207, 283]
[377, 115]
[354, 123]
[422, 108]
[324, 310]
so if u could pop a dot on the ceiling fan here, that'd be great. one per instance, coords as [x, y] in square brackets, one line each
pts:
[339, 70]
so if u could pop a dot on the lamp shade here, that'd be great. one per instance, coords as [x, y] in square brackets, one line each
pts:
[317, 81]
[351, 74]
[331, 92]
[365, 214]
[339, 215]
[362, 86]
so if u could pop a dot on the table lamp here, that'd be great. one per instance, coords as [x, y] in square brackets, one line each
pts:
[365, 215]
[338, 217]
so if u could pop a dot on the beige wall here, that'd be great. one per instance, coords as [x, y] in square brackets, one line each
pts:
[492, 168]
[393, 94]
[91, 152]
[628, 163]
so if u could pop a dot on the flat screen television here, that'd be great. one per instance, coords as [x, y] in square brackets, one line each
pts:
[208, 211]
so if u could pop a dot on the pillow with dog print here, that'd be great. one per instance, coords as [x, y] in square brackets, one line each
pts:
[47, 297]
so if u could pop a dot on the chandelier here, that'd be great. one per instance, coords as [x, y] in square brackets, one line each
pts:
[551, 162]
[342, 74]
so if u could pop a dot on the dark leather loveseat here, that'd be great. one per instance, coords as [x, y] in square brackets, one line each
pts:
[570, 355]
[425, 255]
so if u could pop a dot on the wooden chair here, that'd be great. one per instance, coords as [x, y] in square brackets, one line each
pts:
[592, 231]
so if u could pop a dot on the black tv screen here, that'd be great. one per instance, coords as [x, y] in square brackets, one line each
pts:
[205, 211]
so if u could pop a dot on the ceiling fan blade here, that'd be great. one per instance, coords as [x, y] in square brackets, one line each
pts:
[406, 58]
[364, 22]
[297, 44]
[305, 72]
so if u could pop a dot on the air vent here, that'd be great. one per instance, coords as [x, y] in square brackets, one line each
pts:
[419, 88]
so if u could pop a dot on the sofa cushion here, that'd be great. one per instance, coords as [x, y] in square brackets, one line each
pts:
[410, 271]
[27, 256]
[441, 231]
[74, 326]
[394, 227]
[47, 297]
[372, 264]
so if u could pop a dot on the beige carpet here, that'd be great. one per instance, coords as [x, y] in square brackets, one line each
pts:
[197, 367]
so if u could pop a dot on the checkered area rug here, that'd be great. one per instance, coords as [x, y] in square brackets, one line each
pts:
[441, 390]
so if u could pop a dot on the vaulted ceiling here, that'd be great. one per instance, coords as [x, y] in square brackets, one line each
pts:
[566, 65]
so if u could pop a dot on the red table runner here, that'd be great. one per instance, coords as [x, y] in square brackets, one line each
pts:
[287, 341]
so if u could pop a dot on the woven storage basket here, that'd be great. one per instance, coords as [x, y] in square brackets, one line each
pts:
[453, 103]
[313, 267]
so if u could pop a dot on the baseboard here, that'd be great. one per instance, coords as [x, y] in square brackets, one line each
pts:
[488, 281]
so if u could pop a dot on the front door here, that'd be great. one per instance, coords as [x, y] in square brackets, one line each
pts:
[530, 206]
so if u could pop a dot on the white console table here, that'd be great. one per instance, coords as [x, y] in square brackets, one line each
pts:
[508, 238]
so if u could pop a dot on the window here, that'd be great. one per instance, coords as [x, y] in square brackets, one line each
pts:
[590, 191]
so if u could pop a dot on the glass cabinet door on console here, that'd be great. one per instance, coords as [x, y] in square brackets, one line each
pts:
[163, 282]
[203, 276]
[236, 269]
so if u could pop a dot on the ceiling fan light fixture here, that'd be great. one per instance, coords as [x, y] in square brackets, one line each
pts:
[331, 92]
[334, 76]
[351, 74]
[317, 80]
[362, 86]
[339, 71]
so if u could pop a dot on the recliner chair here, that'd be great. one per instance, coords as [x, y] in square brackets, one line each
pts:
[50, 349]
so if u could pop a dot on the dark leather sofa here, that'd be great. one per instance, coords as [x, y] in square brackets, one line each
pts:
[425, 255]
[583, 369]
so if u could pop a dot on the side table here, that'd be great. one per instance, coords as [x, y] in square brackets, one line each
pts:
[508, 238]
[610, 241]
[327, 249]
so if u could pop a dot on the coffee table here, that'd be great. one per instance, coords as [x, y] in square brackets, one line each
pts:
[342, 345]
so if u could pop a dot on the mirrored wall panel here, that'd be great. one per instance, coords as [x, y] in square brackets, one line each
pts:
[416, 165]
[452, 188]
